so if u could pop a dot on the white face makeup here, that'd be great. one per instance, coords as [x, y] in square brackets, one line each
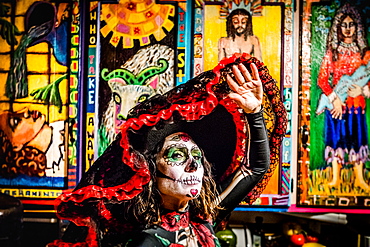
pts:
[179, 167]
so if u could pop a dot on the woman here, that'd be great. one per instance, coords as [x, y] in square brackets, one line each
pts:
[156, 184]
[186, 197]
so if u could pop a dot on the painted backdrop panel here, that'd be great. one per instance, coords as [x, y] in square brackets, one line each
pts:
[137, 59]
[266, 27]
[34, 99]
[337, 172]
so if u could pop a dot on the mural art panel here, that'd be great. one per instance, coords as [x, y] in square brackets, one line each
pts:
[138, 52]
[34, 98]
[337, 172]
[249, 27]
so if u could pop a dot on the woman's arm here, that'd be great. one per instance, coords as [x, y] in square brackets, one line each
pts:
[247, 93]
[325, 71]
[235, 188]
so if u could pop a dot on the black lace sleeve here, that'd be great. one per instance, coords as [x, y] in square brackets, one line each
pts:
[235, 188]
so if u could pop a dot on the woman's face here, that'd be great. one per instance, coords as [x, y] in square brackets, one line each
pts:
[179, 167]
[21, 126]
[348, 27]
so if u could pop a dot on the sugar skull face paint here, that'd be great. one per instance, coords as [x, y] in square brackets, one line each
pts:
[179, 167]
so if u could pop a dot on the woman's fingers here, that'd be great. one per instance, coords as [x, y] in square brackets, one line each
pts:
[238, 75]
[337, 114]
[255, 73]
[232, 84]
[243, 79]
[246, 75]
[247, 88]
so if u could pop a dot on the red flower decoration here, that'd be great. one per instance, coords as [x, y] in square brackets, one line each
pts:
[204, 235]
[136, 30]
[149, 14]
[175, 221]
[185, 137]
[131, 6]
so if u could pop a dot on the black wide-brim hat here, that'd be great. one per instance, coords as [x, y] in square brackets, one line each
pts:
[200, 107]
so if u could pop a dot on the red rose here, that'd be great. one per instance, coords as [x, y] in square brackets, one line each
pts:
[204, 235]
[174, 221]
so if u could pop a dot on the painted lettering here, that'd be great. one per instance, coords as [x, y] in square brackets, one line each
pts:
[90, 122]
[182, 14]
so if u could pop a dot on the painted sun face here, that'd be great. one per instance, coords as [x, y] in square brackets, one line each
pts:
[179, 167]
[348, 27]
[240, 23]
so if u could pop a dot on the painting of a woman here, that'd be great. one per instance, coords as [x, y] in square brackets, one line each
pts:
[346, 140]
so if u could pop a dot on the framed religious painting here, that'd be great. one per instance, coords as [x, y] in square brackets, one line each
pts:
[334, 167]
[38, 100]
[229, 27]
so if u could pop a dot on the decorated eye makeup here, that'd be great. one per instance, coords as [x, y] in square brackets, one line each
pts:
[176, 155]
[197, 155]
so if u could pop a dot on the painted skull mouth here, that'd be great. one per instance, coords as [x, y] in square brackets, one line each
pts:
[192, 180]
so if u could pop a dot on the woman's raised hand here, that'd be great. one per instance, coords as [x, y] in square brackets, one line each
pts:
[247, 89]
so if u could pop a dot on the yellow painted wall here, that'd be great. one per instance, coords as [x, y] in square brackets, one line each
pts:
[266, 27]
